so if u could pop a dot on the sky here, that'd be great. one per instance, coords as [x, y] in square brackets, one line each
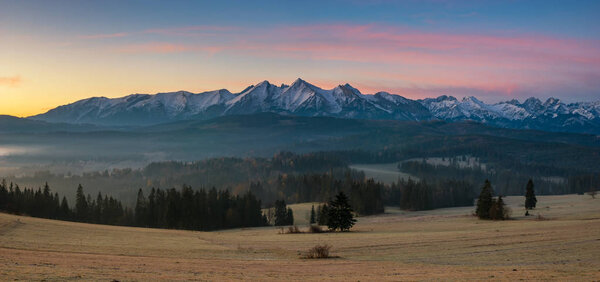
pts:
[57, 52]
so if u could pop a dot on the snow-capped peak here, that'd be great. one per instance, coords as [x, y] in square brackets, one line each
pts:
[303, 98]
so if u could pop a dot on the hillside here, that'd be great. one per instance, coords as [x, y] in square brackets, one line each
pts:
[441, 244]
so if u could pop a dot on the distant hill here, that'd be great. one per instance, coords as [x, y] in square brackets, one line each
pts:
[11, 124]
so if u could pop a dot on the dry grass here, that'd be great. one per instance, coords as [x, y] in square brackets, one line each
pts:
[539, 217]
[293, 230]
[445, 244]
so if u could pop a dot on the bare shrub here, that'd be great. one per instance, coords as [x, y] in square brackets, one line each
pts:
[315, 229]
[293, 230]
[318, 252]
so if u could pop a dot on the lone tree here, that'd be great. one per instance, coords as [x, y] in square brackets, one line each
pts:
[484, 202]
[340, 215]
[530, 200]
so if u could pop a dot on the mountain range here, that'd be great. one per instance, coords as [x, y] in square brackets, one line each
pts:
[344, 101]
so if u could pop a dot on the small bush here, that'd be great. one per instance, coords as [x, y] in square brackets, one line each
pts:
[315, 229]
[541, 217]
[318, 252]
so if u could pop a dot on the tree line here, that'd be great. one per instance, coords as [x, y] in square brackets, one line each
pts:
[45, 204]
[197, 209]
[171, 208]
[276, 174]
[507, 181]
[422, 195]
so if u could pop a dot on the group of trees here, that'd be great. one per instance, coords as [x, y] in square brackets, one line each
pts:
[365, 195]
[489, 207]
[102, 210]
[584, 183]
[38, 203]
[45, 204]
[180, 209]
[280, 214]
[421, 195]
[197, 209]
[507, 181]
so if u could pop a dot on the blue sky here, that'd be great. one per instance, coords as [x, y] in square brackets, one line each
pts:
[60, 51]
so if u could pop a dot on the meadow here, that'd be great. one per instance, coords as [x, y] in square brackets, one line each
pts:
[444, 244]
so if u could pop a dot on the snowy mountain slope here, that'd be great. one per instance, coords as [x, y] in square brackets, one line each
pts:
[551, 115]
[344, 101]
[299, 98]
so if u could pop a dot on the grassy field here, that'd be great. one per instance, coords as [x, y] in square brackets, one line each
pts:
[444, 244]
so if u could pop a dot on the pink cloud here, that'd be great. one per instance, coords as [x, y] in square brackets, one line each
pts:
[11, 81]
[384, 44]
[403, 58]
[103, 36]
[372, 43]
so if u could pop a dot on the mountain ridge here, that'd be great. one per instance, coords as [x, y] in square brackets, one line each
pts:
[344, 101]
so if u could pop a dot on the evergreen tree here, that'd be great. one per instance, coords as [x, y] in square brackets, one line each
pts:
[289, 217]
[140, 209]
[484, 202]
[530, 200]
[323, 212]
[65, 212]
[3, 195]
[312, 215]
[81, 205]
[340, 215]
[174, 209]
[281, 213]
[498, 210]
[98, 209]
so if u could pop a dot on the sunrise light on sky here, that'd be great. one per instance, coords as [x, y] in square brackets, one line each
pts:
[56, 52]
